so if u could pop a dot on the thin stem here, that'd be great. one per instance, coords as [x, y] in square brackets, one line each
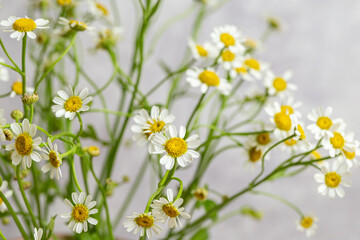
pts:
[81, 126]
[72, 167]
[8, 56]
[194, 111]
[180, 187]
[23, 62]
[37, 194]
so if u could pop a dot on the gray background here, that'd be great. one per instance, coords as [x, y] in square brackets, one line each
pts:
[321, 45]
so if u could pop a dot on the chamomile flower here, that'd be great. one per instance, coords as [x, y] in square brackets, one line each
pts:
[141, 222]
[322, 122]
[55, 161]
[308, 224]
[2, 123]
[301, 135]
[38, 233]
[227, 36]
[229, 58]
[175, 147]
[108, 37]
[17, 89]
[333, 180]
[7, 194]
[253, 154]
[263, 140]
[204, 51]
[289, 105]
[23, 26]
[25, 148]
[98, 9]
[201, 194]
[69, 105]
[4, 72]
[64, 3]
[149, 125]
[80, 212]
[206, 78]
[169, 210]
[251, 68]
[350, 156]
[281, 119]
[279, 85]
[75, 25]
[338, 140]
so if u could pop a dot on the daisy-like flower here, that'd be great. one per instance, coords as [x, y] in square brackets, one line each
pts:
[262, 140]
[204, 51]
[149, 125]
[307, 224]
[322, 122]
[229, 58]
[253, 153]
[252, 44]
[279, 85]
[249, 68]
[80, 212]
[23, 26]
[350, 156]
[55, 161]
[282, 120]
[75, 25]
[64, 3]
[141, 222]
[175, 147]
[200, 194]
[228, 36]
[25, 148]
[167, 209]
[333, 180]
[98, 10]
[206, 78]
[290, 106]
[108, 37]
[4, 73]
[338, 140]
[38, 233]
[69, 105]
[17, 89]
[2, 123]
[7, 194]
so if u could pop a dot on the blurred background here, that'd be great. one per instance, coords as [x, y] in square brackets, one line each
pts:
[320, 43]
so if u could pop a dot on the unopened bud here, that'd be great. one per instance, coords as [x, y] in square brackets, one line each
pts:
[23, 174]
[30, 99]
[110, 186]
[125, 179]
[94, 151]
[17, 115]
[6, 220]
[274, 23]
[26, 185]
[201, 194]
[8, 134]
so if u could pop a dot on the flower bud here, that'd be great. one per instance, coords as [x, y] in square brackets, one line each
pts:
[6, 220]
[23, 174]
[17, 115]
[26, 185]
[8, 134]
[94, 151]
[201, 194]
[274, 23]
[30, 99]
[125, 179]
[110, 185]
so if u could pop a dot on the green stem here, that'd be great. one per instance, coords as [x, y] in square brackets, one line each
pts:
[180, 187]
[81, 127]
[2, 236]
[72, 166]
[193, 113]
[37, 194]
[23, 62]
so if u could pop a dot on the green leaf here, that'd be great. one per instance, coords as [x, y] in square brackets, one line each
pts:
[209, 205]
[202, 234]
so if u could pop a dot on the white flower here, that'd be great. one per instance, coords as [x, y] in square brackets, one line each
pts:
[2, 123]
[55, 161]
[248, 68]
[228, 36]
[338, 140]
[332, 181]
[229, 58]
[322, 122]
[4, 72]
[207, 78]
[80, 212]
[68, 106]
[307, 224]
[149, 125]
[16, 89]
[38, 233]
[175, 147]
[205, 51]
[167, 209]
[23, 26]
[279, 85]
[350, 156]
[98, 10]
[23, 150]
[254, 152]
[140, 222]
[7, 194]
[75, 25]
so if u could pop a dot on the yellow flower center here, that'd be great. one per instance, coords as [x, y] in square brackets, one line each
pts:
[332, 179]
[201, 51]
[1, 201]
[279, 84]
[24, 25]
[227, 39]
[263, 138]
[201, 194]
[287, 109]
[228, 56]
[254, 154]
[324, 123]
[316, 154]
[23, 144]
[301, 131]
[54, 160]
[102, 9]
[17, 88]
[73, 104]
[241, 70]
[349, 155]
[250, 43]
[282, 121]
[157, 126]
[175, 147]
[77, 25]
[252, 63]
[306, 222]
[93, 151]
[80, 213]
[170, 210]
[337, 141]
[209, 78]
[64, 2]
[290, 142]
[144, 221]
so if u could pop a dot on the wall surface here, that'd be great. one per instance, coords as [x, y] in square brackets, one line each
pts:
[321, 44]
